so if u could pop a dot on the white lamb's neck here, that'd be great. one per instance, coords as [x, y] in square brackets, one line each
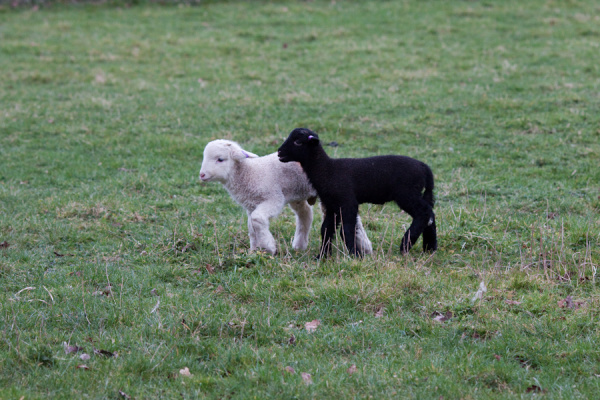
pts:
[237, 179]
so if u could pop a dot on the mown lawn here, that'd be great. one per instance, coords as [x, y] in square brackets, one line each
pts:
[122, 276]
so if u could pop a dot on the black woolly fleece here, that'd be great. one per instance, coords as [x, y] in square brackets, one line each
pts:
[344, 183]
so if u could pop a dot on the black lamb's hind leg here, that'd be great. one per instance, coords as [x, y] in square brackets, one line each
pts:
[408, 240]
[430, 235]
[418, 210]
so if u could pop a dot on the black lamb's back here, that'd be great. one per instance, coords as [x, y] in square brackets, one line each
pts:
[377, 179]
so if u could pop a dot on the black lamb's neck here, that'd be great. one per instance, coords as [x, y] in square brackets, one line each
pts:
[317, 167]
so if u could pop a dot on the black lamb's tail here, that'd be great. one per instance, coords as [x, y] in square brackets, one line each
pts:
[430, 231]
[428, 194]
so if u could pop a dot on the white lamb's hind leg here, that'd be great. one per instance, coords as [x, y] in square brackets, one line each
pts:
[362, 240]
[251, 232]
[259, 219]
[304, 217]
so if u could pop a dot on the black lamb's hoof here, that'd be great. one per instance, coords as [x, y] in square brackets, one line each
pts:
[321, 256]
[358, 254]
[431, 248]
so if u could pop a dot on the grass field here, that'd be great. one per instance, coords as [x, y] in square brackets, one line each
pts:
[122, 276]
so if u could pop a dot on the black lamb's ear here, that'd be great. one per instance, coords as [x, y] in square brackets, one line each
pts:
[313, 140]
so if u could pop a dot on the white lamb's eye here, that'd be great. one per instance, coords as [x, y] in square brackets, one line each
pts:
[220, 159]
[298, 143]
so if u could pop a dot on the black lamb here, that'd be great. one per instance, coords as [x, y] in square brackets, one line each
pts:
[344, 183]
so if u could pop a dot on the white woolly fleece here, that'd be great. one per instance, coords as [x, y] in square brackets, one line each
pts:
[263, 186]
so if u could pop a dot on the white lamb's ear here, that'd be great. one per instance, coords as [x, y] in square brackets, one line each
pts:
[238, 154]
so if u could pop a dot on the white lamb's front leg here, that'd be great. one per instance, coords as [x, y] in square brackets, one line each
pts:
[258, 222]
[304, 217]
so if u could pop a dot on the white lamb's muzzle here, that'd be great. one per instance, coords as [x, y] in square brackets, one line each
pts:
[205, 178]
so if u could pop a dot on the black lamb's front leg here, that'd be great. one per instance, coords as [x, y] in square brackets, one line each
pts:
[327, 234]
[348, 220]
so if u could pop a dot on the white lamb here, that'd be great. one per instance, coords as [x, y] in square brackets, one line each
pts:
[263, 186]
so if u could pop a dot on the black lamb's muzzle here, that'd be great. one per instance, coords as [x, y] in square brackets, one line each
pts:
[282, 157]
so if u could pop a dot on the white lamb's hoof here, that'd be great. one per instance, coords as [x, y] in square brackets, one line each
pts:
[259, 249]
[299, 245]
[364, 244]
[271, 249]
[367, 249]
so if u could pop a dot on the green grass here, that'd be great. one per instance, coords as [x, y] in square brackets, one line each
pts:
[111, 243]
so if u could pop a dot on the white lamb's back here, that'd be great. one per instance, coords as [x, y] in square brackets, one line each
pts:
[259, 179]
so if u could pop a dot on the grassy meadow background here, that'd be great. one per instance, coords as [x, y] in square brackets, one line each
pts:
[119, 270]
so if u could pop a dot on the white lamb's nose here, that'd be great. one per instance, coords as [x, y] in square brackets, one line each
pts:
[202, 175]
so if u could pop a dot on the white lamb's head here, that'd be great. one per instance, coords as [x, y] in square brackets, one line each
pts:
[219, 160]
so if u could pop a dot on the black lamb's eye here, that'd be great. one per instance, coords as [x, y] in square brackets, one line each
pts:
[298, 142]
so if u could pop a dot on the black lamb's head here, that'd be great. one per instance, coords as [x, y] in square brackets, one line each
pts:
[298, 145]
